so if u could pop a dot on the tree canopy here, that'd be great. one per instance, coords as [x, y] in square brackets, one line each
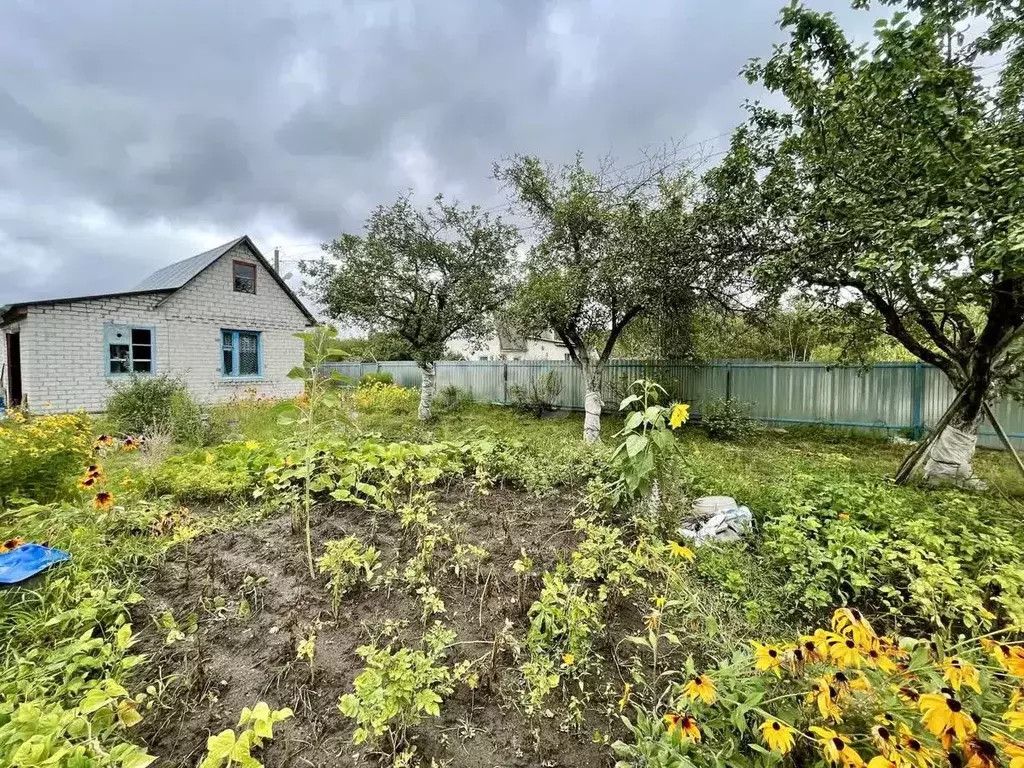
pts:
[610, 244]
[892, 185]
[422, 276]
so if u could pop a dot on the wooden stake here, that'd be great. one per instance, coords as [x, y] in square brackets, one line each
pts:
[906, 470]
[1003, 437]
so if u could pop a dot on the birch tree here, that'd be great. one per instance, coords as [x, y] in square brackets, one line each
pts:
[422, 275]
[609, 246]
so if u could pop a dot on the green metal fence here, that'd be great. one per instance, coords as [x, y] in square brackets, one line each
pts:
[890, 397]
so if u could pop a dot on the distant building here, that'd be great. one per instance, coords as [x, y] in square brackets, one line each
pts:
[508, 345]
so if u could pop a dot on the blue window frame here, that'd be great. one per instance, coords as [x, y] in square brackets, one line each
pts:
[241, 354]
[129, 349]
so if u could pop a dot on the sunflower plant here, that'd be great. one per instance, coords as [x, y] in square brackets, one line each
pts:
[839, 696]
[645, 439]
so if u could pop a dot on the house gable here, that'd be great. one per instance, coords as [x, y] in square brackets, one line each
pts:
[211, 295]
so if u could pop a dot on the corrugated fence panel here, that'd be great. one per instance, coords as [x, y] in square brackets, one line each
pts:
[891, 396]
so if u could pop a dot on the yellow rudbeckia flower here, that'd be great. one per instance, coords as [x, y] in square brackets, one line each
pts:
[700, 687]
[777, 736]
[958, 673]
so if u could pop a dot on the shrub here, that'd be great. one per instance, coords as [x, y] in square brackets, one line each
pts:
[41, 457]
[381, 377]
[156, 403]
[386, 398]
[452, 399]
[539, 395]
[727, 419]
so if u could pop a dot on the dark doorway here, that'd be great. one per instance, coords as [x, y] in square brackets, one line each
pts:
[14, 368]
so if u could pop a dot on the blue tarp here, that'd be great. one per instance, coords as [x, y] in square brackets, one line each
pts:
[26, 561]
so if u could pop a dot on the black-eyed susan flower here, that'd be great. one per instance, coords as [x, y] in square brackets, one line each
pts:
[940, 712]
[913, 750]
[103, 500]
[777, 736]
[767, 658]
[700, 687]
[815, 647]
[907, 695]
[680, 413]
[679, 550]
[875, 658]
[980, 753]
[1009, 657]
[88, 481]
[959, 673]
[104, 441]
[836, 748]
[844, 651]
[11, 544]
[883, 738]
[129, 444]
[795, 660]
[882, 761]
[685, 725]
[825, 696]
[851, 623]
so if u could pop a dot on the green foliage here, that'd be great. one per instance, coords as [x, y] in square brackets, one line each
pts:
[645, 439]
[156, 404]
[228, 471]
[423, 275]
[42, 457]
[382, 377]
[227, 749]
[727, 419]
[929, 561]
[395, 690]
[453, 399]
[347, 561]
[539, 396]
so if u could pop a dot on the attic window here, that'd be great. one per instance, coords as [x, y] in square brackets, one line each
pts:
[129, 350]
[243, 276]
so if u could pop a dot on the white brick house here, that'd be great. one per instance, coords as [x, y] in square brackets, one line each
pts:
[222, 321]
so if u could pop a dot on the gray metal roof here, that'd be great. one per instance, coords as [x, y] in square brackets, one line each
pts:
[172, 277]
[177, 275]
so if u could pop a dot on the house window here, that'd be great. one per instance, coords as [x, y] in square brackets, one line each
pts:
[129, 350]
[241, 354]
[243, 276]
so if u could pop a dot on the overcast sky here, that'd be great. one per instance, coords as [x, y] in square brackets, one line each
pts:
[134, 134]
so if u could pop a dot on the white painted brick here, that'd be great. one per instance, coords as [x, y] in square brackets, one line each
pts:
[63, 356]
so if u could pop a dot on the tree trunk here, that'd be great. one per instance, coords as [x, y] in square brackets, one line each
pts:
[592, 404]
[950, 455]
[427, 388]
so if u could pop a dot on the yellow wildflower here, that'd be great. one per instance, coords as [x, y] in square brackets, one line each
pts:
[777, 736]
[680, 413]
[767, 659]
[940, 712]
[958, 673]
[700, 687]
[678, 550]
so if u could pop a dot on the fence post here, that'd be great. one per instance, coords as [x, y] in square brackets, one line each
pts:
[916, 402]
[504, 382]
[728, 381]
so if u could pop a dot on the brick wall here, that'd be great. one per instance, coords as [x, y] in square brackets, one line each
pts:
[64, 359]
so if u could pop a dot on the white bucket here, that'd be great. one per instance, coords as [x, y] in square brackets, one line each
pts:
[709, 506]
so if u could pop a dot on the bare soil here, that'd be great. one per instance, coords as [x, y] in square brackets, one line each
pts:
[235, 660]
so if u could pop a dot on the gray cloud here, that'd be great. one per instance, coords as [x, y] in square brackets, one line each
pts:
[133, 134]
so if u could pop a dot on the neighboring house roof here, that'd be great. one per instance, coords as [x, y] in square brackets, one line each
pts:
[174, 277]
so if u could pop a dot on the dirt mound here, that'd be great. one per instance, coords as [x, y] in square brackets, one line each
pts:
[254, 601]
